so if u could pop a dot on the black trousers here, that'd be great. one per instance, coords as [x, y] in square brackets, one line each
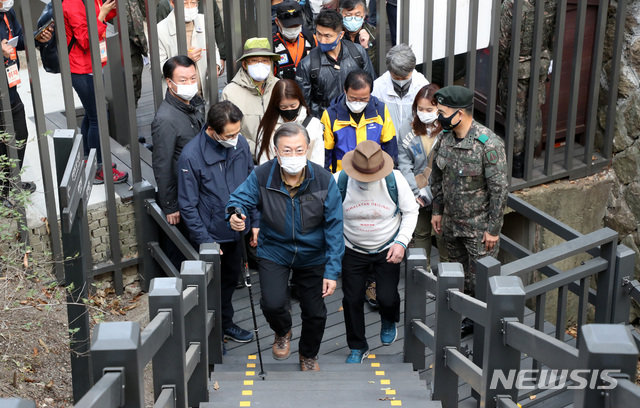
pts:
[274, 282]
[355, 269]
[231, 268]
[21, 133]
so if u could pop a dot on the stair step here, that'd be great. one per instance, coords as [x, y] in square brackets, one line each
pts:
[340, 358]
[292, 375]
[295, 367]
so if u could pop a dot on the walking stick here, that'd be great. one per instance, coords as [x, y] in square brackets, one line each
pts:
[247, 282]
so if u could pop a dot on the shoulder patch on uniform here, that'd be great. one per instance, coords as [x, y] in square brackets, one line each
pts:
[492, 156]
[483, 138]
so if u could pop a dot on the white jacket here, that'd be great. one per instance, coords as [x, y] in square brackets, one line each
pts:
[369, 220]
[399, 108]
[168, 45]
[316, 147]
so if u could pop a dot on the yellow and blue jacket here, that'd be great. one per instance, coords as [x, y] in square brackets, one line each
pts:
[342, 133]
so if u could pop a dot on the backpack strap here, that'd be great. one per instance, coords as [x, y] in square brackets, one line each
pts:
[307, 120]
[392, 189]
[342, 184]
[353, 52]
[314, 73]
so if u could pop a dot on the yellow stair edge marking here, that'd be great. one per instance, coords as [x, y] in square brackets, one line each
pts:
[379, 372]
[396, 403]
[252, 357]
[390, 392]
[245, 403]
[247, 392]
[248, 382]
[251, 365]
[249, 373]
[385, 382]
[371, 356]
[375, 364]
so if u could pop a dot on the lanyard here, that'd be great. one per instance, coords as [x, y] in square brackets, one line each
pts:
[6, 21]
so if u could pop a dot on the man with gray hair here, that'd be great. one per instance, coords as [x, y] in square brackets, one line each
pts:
[399, 85]
[300, 231]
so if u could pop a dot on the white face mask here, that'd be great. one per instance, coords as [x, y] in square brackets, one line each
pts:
[294, 164]
[6, 5]
[187, 91]
[190, 14]
[259, 72]
[291, 33]
[427, 117]
[356, 107]
[229, 143]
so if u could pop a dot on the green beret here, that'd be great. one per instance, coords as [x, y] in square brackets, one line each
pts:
[455, 96]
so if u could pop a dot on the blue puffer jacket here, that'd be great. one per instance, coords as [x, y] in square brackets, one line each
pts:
[207, 174]
[301, 231]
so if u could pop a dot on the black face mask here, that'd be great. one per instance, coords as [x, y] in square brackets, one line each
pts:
[401, 90]
[445, 122]
[289, 114]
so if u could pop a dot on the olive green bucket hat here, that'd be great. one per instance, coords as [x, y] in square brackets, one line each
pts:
[258, 47]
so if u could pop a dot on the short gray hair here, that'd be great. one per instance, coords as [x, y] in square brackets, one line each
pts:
[401, 61]
[290, 129]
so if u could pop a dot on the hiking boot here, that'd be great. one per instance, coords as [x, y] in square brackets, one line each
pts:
[118, 176]
[357, 356]
[238, 334]
[282, 346]
[388, 332]
[370, 295]
[309, 363]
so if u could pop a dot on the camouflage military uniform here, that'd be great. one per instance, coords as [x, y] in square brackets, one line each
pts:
[469, 186]
[137, 41]
[524, 65]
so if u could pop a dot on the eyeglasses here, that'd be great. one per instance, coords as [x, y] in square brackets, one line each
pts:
[353, 17]
[258, 60]
[301, 151]
[351, 99]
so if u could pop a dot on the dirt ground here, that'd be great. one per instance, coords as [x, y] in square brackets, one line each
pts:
[34, 338]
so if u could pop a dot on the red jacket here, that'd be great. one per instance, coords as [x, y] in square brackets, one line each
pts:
[75, 24]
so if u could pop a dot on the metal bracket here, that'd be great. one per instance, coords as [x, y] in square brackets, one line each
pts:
[122, 380]
[173, 392]
[505, 323]
[170, 311]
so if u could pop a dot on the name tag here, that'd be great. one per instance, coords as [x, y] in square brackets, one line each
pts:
[13, 76]
[103, 51]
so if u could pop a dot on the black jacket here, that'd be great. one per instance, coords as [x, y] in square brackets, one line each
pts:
[330, 81]
[175, 124]
[16, 31]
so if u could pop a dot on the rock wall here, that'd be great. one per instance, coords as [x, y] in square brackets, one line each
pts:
[623, 206]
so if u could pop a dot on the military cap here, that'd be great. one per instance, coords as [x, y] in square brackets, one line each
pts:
[289, 13]
[455, 96]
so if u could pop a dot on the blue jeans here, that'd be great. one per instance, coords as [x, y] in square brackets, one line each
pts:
[83, 85]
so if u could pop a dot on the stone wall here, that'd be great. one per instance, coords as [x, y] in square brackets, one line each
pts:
[98, 231]
[623, 207]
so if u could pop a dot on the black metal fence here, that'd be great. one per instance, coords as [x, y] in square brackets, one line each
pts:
[500, 336]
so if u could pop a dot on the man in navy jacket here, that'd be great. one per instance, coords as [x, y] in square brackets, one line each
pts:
[211, 166]
[300, 230]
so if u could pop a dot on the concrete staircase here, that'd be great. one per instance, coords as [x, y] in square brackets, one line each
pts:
[380, 381]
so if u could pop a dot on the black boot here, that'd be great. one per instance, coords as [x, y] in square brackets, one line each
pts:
[518, 166]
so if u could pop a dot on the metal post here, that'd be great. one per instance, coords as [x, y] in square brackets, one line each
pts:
[415, 308]
[263, 15]
[381, 34]
[494, 47]
[210, 34]
[233, 35]
[605, 282]
[505, 301]
[604, 347]
[450, 42]
[105, 143]
[447, 334]
[210, 253]
[169, 363]
[43, 141]
[181, 31]
[116, 345]
[154, 53]
[427, 48]
[146, 232]
[65, 68]
[625, 262]
[485, 268]
[194, 274]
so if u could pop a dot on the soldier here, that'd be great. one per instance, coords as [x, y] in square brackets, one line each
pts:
[138, 42]
[524, 72]
[469, 184]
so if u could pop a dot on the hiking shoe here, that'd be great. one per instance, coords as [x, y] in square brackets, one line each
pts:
[370, 295]
[118, 176]
[309, 363]
[282, 346]
[238, 334]
[357, 356]
[388, 332]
